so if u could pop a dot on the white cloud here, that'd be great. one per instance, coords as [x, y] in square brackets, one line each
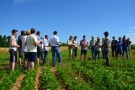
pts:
[131, 34]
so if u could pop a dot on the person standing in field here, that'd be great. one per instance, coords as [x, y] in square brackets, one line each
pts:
[42, 54]
[46, 48]
[13, 49]
[113, 46]
[125, 47]
[70, 47]
[32, 43]
[75, 48]
[39, 47]
[97, 48]
[102, 49]
[119, 48]
[55, 44]
[20, 48]
[24, 47]
[84, 47]
[129, 45]
[92, 47]
[107, 45]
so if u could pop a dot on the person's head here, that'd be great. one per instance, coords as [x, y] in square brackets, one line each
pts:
[32, 30]
[46, 37]
[103, 39]
[92, 37]
[98, 39]
[75, 37]
[38, 33]
[14, 32]
[22, 32]
[84, 37]
[106, 33]
[120, 38]
[71, 37]
[55, 32]
[128, 39]
[124, 37]
[28, 32]
[113, 38]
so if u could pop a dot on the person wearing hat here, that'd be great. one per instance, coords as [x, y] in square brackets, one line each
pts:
[75, 48]
[84, 47]
[70, 47]
[119, 47]
[97, 48]
[113, 46]
[92, 47]
[20, 48]
[55, 44]
[24, 47]
[125, 47]
[107, 45]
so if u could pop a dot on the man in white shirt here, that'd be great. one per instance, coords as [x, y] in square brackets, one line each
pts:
[55, 43]
[32, 44]
[13, 49]
[24, 47]
[46, 48]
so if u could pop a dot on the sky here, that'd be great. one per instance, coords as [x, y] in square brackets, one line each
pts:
[69, 17]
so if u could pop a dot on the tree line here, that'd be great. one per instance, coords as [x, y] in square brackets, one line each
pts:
[5, 41]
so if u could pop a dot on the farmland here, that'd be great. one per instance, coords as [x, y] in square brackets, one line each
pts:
[73, 75]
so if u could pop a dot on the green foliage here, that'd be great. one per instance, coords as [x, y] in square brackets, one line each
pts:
[133, 46]
[49, 80]
[4, 41]
[29, 80]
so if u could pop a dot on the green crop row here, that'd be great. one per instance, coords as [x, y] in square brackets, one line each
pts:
[2, 73]
[101, 78]
[8, 81]
[71, 81]
[49, 80]
[29, 80]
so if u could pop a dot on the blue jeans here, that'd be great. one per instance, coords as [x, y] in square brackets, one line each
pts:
[45, 56]
[75, 52]
[93, 52]
[97, 53]
[125, 49]
[106, 52]
[56, 52]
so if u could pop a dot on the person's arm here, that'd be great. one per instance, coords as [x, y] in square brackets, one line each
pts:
[36, 42]
[57, 40]
[12, 43]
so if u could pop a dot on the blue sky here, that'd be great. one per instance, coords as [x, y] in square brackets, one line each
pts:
[69, 17]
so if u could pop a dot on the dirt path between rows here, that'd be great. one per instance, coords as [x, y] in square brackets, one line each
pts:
[54, 71]
[18, 83]
[38, 82]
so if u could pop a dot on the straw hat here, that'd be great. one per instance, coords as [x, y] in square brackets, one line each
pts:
[28, 32]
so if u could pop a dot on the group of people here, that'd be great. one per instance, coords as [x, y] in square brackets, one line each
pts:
[32, 46]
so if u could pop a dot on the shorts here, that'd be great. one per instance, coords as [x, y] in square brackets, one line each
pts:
[119, 51]
[13, 56]
[20, 52]
[25, 56]
[83, 52]
[32, 56]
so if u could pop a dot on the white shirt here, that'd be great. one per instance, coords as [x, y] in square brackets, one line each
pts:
[46, 44]
[24, 46]
[11, 47]
[31, 39]
[54, 40]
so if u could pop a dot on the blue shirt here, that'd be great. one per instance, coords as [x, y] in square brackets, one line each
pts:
[120, 43]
